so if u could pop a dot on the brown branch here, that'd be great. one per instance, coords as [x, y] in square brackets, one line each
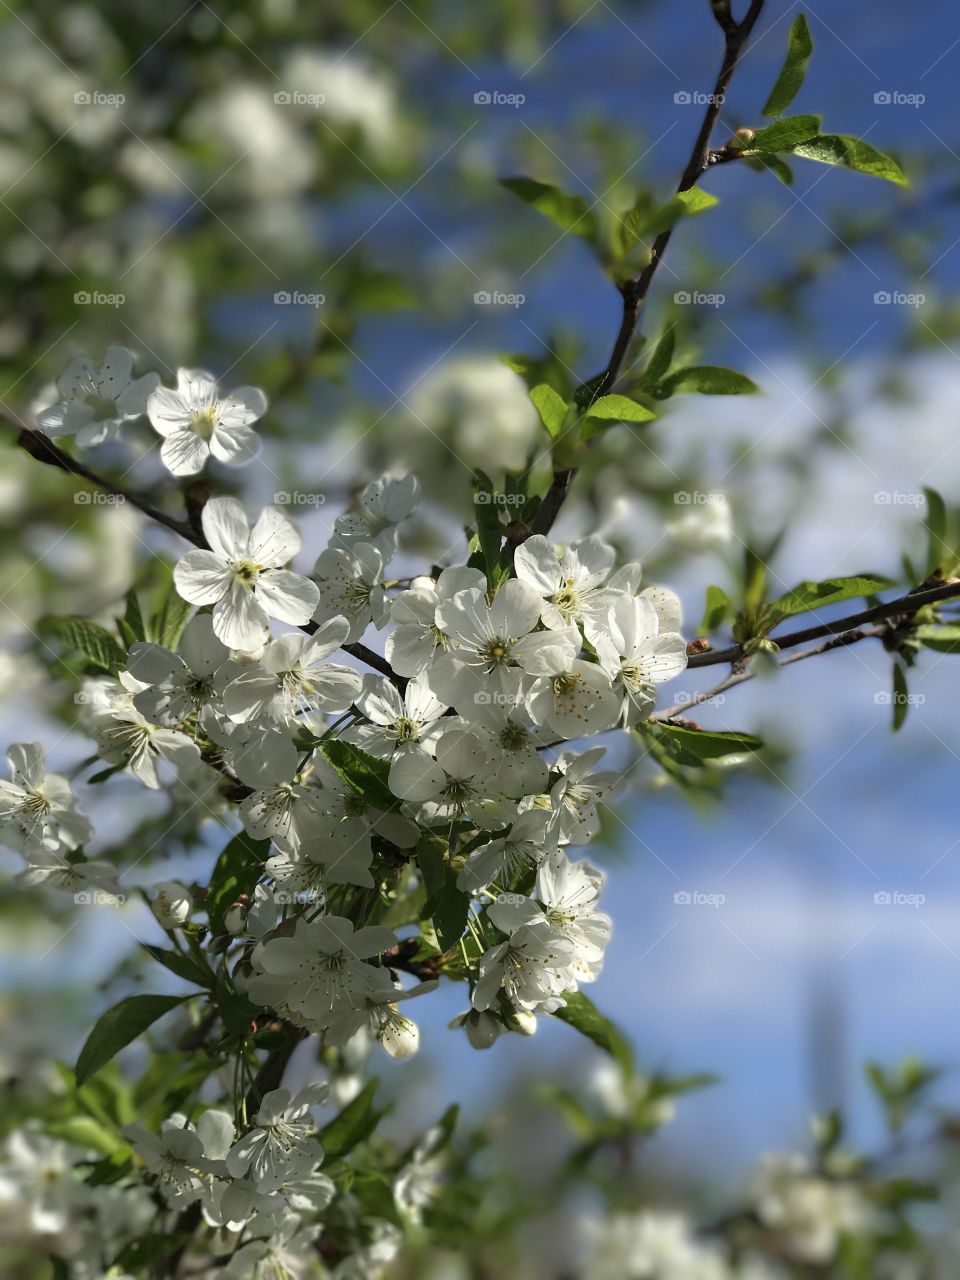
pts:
[42, 448]
[905, 607]
[633, 292]
[743, 674]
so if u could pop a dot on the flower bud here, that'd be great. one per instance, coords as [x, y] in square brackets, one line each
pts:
[482, 1029]
[173, 904]
[524, 1021]
[235, 917]
[399, 1036]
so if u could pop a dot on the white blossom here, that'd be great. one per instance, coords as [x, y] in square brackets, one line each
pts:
[37, 808]
[242, 574]
[350, 584]
[96, 401]
[197, 421]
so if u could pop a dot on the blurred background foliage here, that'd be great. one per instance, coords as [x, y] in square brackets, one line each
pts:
[170, 181]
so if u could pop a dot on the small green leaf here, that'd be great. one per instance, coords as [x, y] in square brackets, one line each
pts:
[118, 1027]
[183, 966]
[572, 213]
[784, 134]
[617, 408]
[659, 363]
[446, 905]
[84, 1131]
[89, 638]
[237, 871]
[901, 696]
[169, 623]
[363, 773]
[489, 529]
[582, 1014]
[779, 168]
[132, 626]
[935, 524]
[852, 153]
[147, 1248]
[716, 610]
[236, 1011]
[697, 747]
[709, 380]
[644, 224]
[944, 638]
[816, 595]
[551, 407]
[794, 69]
[354, 1123]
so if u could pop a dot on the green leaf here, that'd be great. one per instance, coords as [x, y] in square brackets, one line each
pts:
[118, 1027]
[237, 871]
[944, 638]
[901, 696]
[169, 623]
[852, 153]
[935, 524]
[183, 966]
[572, 213]
[785, 134]
[132, 626]
[709, 380]
[354, 1123]
[794, 69]
[779, 168]
[644, 224]
[236, 1011]
[84, 1131]
[446, 905]
[582, 1014]
[659, 363]
[551, 407]
[816, 595]
[716, 610]
[363, 773]
[89, 638]
[148, 1248]
[617, 408]
[697, 747]
[608, 410]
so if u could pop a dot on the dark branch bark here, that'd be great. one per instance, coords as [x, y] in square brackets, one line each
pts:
[905, 607]
[634, 292]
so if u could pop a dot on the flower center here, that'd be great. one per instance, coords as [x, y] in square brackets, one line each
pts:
[102, 408]
[406, 730]
[247, 572]
[204, 421]
[496, 652]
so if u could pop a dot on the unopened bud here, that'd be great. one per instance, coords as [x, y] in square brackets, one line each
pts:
[482, 1029]
[235, 917]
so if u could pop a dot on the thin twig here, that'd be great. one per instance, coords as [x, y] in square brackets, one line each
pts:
[904, 606]
[633, 292]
